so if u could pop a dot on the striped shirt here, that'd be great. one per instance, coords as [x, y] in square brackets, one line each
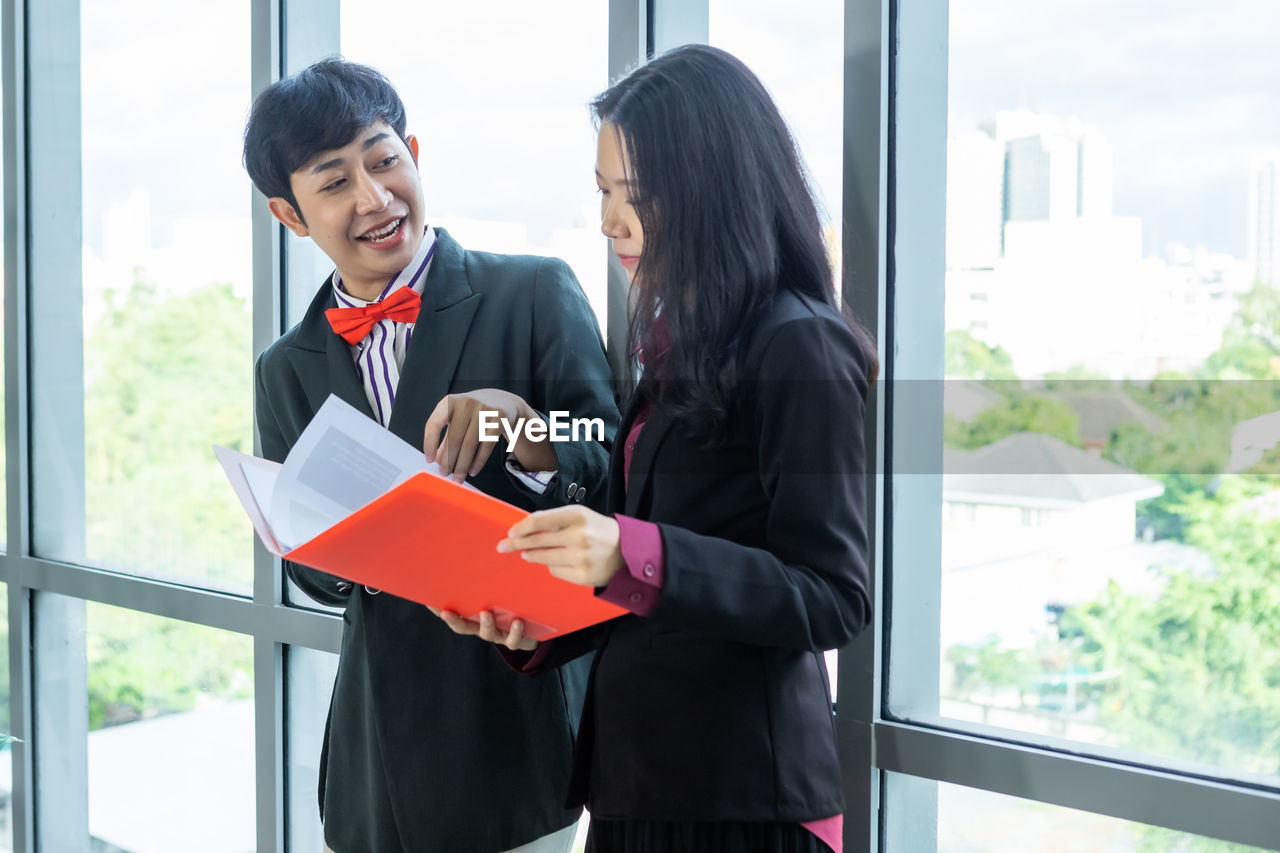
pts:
[379, 355]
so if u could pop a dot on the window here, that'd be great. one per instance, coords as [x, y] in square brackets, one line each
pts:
[507, 145]
[796, 51]
[170, 734]
[1110, 217]
[310, 675]
[159, 374]
[1089, 399]
[1075, 269]
[971, 820]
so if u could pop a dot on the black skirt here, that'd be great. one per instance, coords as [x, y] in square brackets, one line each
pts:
[652, 836]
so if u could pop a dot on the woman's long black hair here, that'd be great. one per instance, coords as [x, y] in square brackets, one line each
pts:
[728, 218]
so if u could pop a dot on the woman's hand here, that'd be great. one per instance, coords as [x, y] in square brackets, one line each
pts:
[486, 628]
[575, 543]
[452, 434]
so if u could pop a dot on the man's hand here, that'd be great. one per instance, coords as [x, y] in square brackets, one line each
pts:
[575, 543]
[452, 434]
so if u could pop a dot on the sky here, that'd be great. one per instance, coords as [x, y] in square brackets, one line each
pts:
[1185, 91]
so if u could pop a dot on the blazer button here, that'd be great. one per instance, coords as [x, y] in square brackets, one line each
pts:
[636, 598]
[649, 570]
[371, 590]
[573, 490]
[582, 495]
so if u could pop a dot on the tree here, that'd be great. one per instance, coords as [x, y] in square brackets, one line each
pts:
[1075, 378]
[166, 377]
[968, 357]
[1251, 342]
[141, 666]
[1200, 664]
[1019, 412]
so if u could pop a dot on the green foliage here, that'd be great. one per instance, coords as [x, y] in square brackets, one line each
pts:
[1194, 447]
[141, 665]
[988, 668]
[1199, 682]
[1251, 342]
[1018, 412]
[1200, 415]
[165, 379]
[966, 356]
[1075, 378]
[1157, 839]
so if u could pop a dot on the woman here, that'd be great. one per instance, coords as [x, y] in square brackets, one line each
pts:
[738, 538]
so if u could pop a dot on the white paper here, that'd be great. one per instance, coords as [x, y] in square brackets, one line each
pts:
[238, 468]
[342, 461]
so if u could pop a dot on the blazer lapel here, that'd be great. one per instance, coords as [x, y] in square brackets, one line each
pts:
[323, 360]
[640, 476]
[616, 498]
[439, 335]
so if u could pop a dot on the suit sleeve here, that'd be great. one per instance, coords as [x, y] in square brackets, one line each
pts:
[808, 588]
[324, 588]
[571, 375]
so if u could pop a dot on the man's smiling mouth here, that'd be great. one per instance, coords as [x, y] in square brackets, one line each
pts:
[386, 232]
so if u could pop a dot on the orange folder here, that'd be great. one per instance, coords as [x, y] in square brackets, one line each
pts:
[432, 541]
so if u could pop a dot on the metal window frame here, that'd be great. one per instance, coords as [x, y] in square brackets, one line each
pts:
[894, 140]
[1140, 788]
[261, 616]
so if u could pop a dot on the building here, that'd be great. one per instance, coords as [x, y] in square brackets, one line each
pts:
[1055, 167]
[1264, 217]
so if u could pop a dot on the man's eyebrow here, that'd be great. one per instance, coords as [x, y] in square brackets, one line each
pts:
[338, 161]
[327, 164]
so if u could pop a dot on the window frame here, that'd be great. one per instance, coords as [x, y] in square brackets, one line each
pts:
[894, 144]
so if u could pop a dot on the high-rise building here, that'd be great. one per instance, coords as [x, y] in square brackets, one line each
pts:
[1055, 168]
[1264, 218]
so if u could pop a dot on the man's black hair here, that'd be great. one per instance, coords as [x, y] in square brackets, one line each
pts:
[322, 107]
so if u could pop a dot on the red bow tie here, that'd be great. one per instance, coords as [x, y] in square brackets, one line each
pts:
[352, 324]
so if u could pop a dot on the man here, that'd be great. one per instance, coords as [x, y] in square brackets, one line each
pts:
[432, 743]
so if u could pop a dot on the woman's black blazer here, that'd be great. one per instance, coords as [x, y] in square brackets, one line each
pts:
[716, 706]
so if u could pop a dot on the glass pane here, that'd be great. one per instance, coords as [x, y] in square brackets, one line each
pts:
[507, 145]
[171, 736]
[166, 271]
[797, 51]
[507, 148]
[1107, 504]
[969, 820]
[6, 755]
[310, 684]
[4, 447]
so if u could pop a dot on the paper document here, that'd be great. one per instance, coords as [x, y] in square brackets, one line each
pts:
[354, 500]
[342, 461]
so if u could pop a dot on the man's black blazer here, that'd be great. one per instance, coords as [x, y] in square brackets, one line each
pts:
[432, 743]
[717, 705]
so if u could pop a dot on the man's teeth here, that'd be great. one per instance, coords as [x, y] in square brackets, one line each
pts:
[385, 232]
